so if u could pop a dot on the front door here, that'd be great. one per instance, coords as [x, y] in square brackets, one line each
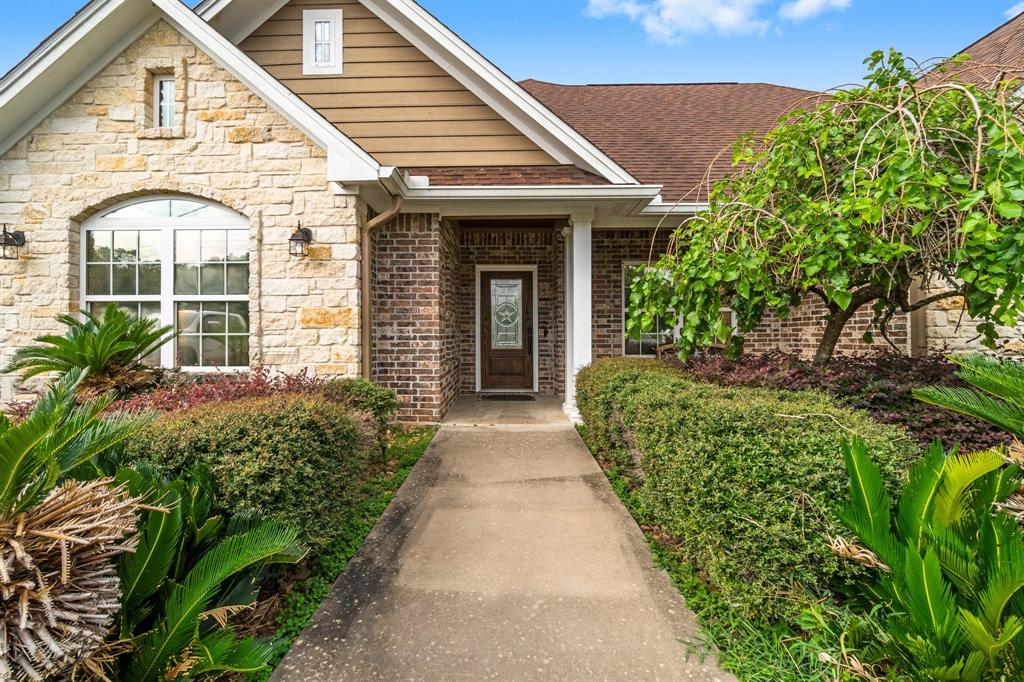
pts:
[506, 330]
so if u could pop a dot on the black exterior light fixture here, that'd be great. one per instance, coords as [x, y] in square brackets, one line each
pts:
[298, 243]
[11, 243]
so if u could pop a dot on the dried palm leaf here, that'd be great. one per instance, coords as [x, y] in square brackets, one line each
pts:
[59, 581]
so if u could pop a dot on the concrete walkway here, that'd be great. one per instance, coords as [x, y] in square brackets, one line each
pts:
[505, 556]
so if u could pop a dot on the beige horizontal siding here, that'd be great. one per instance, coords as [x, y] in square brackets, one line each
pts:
[391, 99]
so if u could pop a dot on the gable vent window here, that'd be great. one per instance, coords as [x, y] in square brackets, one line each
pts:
[163, 101]
[321, 42]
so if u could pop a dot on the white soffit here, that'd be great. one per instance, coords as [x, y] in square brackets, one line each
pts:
[238, 18]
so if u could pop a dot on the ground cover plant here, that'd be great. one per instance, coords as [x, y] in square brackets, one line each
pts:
[882, 384]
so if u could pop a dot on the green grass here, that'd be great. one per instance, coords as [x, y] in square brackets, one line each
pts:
[306, 596]
[754, 651]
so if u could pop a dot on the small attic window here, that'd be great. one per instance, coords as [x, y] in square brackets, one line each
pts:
[321, 42]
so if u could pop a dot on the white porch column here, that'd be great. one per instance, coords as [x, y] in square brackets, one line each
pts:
[579, 320]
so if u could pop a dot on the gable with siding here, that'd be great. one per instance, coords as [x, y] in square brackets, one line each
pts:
[391, 99]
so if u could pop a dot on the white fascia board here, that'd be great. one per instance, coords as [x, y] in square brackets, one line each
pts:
[66, 61]
[239, 21]
[495, 88]
[689, 208]
[347, 162]
[586, 193]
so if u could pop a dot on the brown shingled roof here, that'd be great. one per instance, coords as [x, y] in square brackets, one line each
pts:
[669, 134]
[999, 54]
[508, 175]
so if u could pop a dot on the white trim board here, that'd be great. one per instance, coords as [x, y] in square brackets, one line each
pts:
[480, 269]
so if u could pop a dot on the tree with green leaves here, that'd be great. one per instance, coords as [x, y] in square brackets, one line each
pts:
[893, 194]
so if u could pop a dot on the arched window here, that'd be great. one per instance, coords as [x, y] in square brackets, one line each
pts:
[181, 261]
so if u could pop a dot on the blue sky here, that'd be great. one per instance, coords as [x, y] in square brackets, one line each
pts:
[806, 43]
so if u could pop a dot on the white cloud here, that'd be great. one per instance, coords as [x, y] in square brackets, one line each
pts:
[798, 10]
[671, 20]
[1014, 11]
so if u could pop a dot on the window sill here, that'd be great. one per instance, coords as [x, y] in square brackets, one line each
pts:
[162, 133]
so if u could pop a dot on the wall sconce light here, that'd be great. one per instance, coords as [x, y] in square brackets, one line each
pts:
[11, 243]
[298, 243]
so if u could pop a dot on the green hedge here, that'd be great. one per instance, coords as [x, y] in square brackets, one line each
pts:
[296, 458]
[745, 481]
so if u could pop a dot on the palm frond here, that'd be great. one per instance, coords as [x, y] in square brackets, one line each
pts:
[222, 652]
[869, 512]
[918, 497]
[1002, 377]
[960, 473]
[1007, 416]
[268, 542]
[929, 600]
[143, 572]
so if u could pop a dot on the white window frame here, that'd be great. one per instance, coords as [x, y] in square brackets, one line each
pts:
[624, 305]
[310, 18]
[157, 80]
[221, 219]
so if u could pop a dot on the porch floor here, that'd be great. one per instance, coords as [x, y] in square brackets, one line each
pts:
[470, 410]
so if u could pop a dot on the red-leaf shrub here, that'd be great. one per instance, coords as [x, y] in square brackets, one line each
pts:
[880, 384]
[185, 391]
[182, 391]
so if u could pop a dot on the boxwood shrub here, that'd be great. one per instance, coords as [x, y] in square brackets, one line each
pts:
[297, 458]
[745, 481]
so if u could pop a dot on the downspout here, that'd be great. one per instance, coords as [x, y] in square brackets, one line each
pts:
[366, 303]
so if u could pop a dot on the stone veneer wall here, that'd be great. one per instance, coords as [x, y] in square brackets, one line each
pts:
[949, 329]
[414, 349]
[798, 333]
[228, 146]
[542, 247]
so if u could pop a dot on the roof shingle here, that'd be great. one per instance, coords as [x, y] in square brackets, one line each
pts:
[508, 175]
[670, 134]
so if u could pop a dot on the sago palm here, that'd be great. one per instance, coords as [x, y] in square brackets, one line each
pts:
[997, 397]
[110, 349]
[951, 566]
[191, 572]
[60, 539]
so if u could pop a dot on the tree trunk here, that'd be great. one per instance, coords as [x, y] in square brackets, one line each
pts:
[837, 320]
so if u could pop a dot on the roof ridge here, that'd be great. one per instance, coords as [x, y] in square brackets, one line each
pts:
[662, 85]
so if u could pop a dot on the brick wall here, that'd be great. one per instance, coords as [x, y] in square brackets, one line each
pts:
[543, 247]
[414, 350]
[799, 333]
[611, 248]
[227, 146]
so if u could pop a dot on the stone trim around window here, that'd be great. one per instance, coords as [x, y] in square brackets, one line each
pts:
[145, 120]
